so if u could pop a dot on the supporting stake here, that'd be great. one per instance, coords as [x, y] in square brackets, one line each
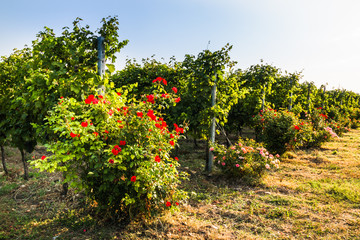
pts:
[291, 94]
[101, 55]
[209, 163]
[308, 98]
[263, 99]
[101, 62]
[323, 102]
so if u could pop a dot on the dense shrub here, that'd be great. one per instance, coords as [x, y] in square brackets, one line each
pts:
[282, 130]
[337, 122]
[117, 150]
[354, 123]
[246, 159]
[277, 129]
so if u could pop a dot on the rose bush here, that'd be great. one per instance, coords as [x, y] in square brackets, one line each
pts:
[246, 159]
[117, 150]
[283, 130]
[277, 129]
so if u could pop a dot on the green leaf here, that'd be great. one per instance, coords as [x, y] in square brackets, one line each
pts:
[111, 68]
[75, 89]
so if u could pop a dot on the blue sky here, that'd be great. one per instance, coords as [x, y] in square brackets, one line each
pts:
[321, 38]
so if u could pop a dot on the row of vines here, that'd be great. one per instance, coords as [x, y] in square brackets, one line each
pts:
[117, 145]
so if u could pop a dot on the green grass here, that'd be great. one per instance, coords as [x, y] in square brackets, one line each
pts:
[7, 188]
[339, 190]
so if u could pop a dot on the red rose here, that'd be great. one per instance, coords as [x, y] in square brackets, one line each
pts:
[151, 115]
[111, 161]
[150, 98]
[178, 129]
[73, 135]
[43, 157]
[157, 159]
[168, 204]
[89, 99]
[114, 151]
[84, 124]
[133, 179]
[172, 143]
[125, 109]
[140, 114]
[174, 89]
[177, 99]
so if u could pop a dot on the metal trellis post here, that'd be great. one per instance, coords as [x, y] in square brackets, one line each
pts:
[324, 92]
[209, 164]
[291, 93]
[308, 98]
[101, 61]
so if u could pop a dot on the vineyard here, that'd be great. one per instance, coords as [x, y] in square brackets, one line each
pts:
[192, 149]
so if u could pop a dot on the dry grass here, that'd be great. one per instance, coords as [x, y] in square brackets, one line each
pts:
[314, 195]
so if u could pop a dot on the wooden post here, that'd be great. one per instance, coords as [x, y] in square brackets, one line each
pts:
[209, 163]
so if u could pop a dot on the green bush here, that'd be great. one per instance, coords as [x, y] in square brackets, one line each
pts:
[316, 130]
[354, 124]
[339, 127]
[246, 159]
[117, 150]
[282, 130]
[277, 129]
[333, 121]
[355, 113]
